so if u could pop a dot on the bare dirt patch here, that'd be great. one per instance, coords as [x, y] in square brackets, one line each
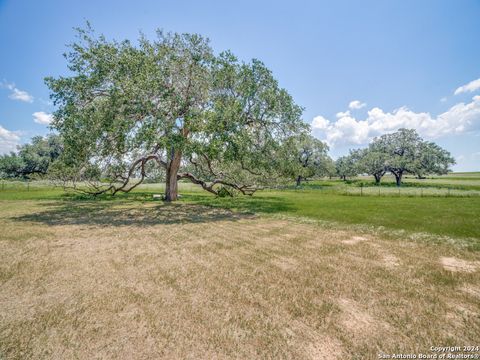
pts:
[458, 265]
[356, 320]
[285, 263]
[391, 261]
[386, 258]
[471, 290]
[325, 347]
[354, 240]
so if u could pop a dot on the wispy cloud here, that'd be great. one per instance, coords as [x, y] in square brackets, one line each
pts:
[347, 130]
[16, 93]
[43, 118]
[8, 140]
[470, 87]
[356, 104]
[342, 114]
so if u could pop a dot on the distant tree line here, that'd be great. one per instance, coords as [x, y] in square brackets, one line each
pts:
[300, 158]
[399, 153]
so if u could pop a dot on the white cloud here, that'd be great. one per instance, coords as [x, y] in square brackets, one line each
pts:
[21, 95]
[43, 118]
[460, 118]
[342, 114]
[356, 104]
[17, 94]
[320, 123]
[8, 140]
[470, 87]
[443, 99]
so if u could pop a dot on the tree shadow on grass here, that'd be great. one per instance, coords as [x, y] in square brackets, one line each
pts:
[244, 204]
[124, 212]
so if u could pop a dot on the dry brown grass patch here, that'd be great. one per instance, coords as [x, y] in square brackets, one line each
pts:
[471, 290]
[191, 282]
[455, 264]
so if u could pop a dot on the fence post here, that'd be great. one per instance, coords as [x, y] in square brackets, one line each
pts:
[448, 192]
[361, 189]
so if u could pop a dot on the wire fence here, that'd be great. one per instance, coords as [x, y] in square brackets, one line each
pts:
[404, 191]
[427, 191]
[24, 185]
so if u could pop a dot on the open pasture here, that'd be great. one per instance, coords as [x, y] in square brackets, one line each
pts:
[283, 274]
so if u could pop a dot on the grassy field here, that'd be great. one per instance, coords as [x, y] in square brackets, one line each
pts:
[462, 181]
[286, 274]
[448, 217]
[440, 216]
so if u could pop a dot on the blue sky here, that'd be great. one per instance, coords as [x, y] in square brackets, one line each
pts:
[399, 62]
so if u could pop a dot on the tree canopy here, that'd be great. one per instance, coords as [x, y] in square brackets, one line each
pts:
[305, 157]
[346, 166]
[33, 159]
[213, 120]
[432, 159]
[407, 152]
[372, 161]
[399, 153]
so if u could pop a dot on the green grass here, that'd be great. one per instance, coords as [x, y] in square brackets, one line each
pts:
[455, 217]
[460, 181]
[452, 217]
[39, 193]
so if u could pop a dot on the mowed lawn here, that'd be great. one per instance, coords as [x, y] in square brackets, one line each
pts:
[243, 278]
[447, 217]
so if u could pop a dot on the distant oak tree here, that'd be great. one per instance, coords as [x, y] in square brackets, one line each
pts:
[402, 152]
[371, 161]
[32, 159]
[346, 166]
[305, 157]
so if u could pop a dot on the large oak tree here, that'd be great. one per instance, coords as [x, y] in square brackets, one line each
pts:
[172, 102]
[403, 152]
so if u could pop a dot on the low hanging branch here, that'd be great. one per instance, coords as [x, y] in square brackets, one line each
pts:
[120, 183]
[210, 187]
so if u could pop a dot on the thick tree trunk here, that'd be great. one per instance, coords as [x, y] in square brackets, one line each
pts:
[299, 181]
[171, 184]
[398, 178]
[377, 179]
